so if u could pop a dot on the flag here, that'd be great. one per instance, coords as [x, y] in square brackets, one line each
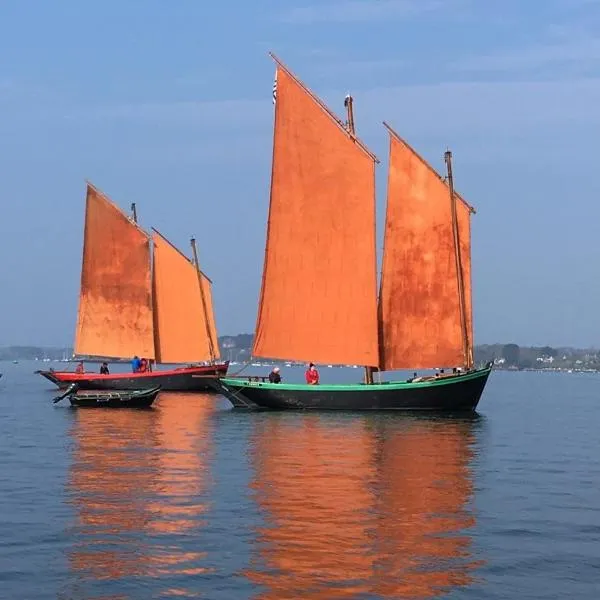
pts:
[275, 88]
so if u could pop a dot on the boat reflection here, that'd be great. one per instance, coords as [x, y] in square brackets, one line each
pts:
[138, 482]
[363, 506]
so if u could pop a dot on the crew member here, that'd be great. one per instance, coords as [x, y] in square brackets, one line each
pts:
[312, 375]
[135, 364]
[274, 376]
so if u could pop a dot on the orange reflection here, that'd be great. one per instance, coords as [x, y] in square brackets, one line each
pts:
[362, 506]
[425, 486]
[184, 439]
[137, 481]
[110, 480]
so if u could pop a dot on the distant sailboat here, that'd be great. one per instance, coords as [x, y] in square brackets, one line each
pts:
[140, 296]
[319, 298]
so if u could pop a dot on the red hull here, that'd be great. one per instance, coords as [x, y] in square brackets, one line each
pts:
[185, 379]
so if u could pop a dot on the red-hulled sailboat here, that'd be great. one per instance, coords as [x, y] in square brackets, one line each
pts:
[141, 296]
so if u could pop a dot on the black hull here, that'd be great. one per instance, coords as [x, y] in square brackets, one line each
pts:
[456, 394]
[78, 402]
[137, 399]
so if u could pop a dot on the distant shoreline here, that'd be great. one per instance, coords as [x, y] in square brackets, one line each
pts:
[237, 349]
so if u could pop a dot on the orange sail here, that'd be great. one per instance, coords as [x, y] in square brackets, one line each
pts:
[115, 304]
[182, 319]
[419, 300]
[319, 291]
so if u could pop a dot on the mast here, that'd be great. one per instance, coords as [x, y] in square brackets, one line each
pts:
[467, 347]
[133, 212]
[204, 309]
[349, 104]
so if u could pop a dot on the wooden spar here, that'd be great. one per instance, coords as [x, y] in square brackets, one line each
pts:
[348, 103]
[467, 347]
[134, 217]
[204, 308]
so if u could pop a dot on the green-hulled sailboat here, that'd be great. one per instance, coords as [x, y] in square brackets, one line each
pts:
[319, 299]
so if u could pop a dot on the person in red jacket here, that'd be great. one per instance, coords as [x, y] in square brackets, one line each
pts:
[312, 375]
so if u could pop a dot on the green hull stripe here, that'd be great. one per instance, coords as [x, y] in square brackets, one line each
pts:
[356, 387]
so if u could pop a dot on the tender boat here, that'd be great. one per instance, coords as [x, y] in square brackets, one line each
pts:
[109, 399]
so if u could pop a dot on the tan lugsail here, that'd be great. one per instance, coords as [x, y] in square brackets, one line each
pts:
[181, 321]
[115, 303]
[319, 291]
[419, 300]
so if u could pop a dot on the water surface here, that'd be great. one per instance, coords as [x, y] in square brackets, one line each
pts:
[195, 500]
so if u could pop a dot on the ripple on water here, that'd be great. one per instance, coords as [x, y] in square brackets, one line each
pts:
[194, 500]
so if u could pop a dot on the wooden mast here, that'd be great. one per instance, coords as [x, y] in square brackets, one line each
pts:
[467, 347]
[204, 309]
[349, 104]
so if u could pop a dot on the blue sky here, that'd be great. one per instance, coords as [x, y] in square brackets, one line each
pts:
[168, 104]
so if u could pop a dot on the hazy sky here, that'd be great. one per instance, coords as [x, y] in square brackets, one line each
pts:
[168, 104]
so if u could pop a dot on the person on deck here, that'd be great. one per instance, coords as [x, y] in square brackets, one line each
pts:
[104, 369]
[312, 375]
[274, 376]
[143, 365]
[79, 368]
[135, 364]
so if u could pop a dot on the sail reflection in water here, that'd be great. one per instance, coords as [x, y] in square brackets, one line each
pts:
[138, 483]
[353, 506]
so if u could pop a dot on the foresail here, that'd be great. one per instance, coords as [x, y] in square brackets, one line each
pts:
[420, 324]
[180, 321]
[319, 291]
[115, 305]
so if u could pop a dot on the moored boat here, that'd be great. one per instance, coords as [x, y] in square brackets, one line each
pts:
[109, 399]
[319, 298]
[141, 296]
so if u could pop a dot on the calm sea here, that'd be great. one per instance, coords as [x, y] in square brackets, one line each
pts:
[194, 500]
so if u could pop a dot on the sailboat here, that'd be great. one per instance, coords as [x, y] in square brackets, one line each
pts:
[140, 296]
[319, 299]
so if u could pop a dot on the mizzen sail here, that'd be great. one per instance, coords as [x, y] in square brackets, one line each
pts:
[420, 323]
[115, 304]
[184, 331]
[319, 292]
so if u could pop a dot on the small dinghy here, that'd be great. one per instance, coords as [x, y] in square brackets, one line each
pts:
[109, 399]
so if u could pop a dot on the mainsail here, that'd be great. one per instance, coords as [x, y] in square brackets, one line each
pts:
[420, 322]
[319, 291]
[115, 304]
[181, 324]
[128, 308]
